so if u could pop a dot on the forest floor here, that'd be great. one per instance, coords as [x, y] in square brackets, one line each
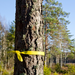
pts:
[68, 69]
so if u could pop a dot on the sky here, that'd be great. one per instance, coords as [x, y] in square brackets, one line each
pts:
[68, 6]
[7, 12]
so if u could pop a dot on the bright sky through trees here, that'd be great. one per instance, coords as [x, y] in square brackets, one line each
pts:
[7, 12]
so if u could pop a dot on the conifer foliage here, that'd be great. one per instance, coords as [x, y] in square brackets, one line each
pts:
[56, 31]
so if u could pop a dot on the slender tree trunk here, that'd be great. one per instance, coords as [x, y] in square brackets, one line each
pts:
[51, 61]
[61, 60]
[57, 59]
[65, 57]
[46, 42]
[29, 34]
[61, 52]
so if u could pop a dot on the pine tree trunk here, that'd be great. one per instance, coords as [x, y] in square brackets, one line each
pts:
[65, 57]
[46, 43]
[61, 53]
[29, 34]
[51, 61]
[61, 61]
[57, 59]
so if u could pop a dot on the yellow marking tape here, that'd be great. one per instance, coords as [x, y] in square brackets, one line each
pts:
[28, 53]
[33, 52]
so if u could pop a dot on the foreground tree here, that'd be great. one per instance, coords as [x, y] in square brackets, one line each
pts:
[28, 37]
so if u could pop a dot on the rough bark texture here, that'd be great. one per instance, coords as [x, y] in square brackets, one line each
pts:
[29, 33]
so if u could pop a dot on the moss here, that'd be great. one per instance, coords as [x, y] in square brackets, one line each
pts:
[24, 36]
[32, 9]
[31, 48]
[27, 5]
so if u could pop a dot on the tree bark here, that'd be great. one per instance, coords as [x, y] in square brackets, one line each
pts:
[29, 34]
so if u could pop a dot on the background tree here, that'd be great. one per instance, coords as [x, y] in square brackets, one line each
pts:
[6, 61]
[55, 23]
[10, 39]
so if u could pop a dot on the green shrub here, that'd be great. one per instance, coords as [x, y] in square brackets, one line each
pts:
[11, 73]
[47, 71]
[66, 74]
[57, 68]
[64, 71]
[55, 73]
[5, 72]
[71, 69]
[1, 63]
